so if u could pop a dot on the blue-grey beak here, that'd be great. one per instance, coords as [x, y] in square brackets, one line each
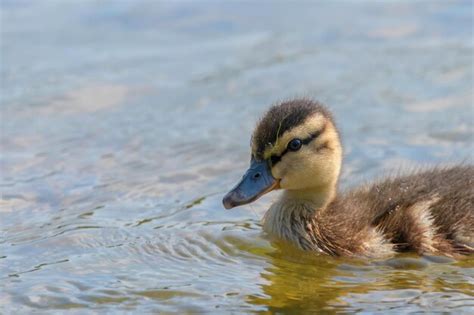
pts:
[257, 181]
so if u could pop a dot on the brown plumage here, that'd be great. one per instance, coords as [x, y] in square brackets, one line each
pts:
[429, 212]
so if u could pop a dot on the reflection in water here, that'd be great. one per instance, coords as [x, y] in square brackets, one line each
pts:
[298, 281]
[303, 282]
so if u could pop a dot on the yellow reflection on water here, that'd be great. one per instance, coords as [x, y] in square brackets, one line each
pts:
[304, 282]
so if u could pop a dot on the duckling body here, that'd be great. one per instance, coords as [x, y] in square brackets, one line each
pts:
[296, 147]
[427, 212]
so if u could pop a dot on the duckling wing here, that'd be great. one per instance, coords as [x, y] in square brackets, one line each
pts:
[427, 211]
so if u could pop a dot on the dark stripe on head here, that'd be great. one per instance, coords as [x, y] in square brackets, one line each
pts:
[281, 118]
[274, 159]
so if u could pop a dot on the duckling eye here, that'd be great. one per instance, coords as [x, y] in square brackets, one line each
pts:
[294, 145]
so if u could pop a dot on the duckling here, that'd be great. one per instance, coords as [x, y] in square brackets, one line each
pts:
[296, 147]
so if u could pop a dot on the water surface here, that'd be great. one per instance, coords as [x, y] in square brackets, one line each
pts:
[124, 123]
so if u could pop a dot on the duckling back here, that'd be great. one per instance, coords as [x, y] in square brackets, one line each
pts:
[429, 212]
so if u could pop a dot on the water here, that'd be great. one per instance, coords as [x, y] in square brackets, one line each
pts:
[124, 123]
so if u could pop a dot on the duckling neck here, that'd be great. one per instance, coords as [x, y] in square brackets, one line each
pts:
[295, 212]
[316, 197]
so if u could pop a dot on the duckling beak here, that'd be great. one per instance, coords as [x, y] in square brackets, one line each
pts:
[256, 182]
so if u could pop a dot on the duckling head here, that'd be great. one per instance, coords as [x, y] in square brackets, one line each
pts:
[295, 147]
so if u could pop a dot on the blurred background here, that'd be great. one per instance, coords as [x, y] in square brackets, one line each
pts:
[123, 123]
